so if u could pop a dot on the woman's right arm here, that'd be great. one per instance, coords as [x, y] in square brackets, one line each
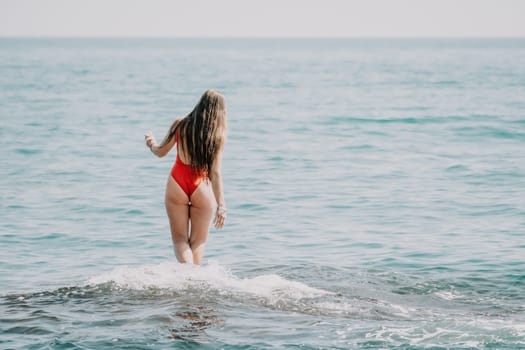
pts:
[216, 184]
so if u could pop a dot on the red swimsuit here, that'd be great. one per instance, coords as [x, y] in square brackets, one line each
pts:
[182, 173]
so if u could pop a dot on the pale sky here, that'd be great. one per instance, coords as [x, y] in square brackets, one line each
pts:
[263, 18]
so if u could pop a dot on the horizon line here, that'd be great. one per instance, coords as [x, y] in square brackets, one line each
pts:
[252, 37]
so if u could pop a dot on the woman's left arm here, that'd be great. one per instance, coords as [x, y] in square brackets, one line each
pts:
[163, 149]
[156, 149]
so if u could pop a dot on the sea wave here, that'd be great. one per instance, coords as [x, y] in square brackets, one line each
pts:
[171, 276]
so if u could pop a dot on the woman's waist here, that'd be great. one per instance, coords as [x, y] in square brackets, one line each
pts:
[179, 164]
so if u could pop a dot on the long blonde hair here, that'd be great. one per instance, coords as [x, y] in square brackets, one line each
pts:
[202, 133]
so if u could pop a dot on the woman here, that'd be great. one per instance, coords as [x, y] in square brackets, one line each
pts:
[194, 188]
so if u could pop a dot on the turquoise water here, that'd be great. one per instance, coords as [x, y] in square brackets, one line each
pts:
[376, 195]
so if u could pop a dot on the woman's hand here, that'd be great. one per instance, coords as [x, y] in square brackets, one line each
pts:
[150, 140]
[220, 217]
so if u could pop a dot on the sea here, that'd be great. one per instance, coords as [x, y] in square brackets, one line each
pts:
[375, 192]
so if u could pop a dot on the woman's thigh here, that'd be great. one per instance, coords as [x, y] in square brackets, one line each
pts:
[201, 211]
[177, 209]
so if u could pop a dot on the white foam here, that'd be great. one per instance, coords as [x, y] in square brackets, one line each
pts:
[449, 295]
[463, 332]
[173, 276]
[402, 311]
[372, 309]
[427, 335]
[339, 308]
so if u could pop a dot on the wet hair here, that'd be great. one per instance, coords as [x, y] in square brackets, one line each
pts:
[202, 133]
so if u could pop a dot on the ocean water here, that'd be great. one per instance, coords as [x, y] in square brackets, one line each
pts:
[376, 195]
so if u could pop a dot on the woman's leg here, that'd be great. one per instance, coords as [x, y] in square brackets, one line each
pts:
[178, 212]
[201, 211]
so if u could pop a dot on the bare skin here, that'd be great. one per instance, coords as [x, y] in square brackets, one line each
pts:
[190, 217]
